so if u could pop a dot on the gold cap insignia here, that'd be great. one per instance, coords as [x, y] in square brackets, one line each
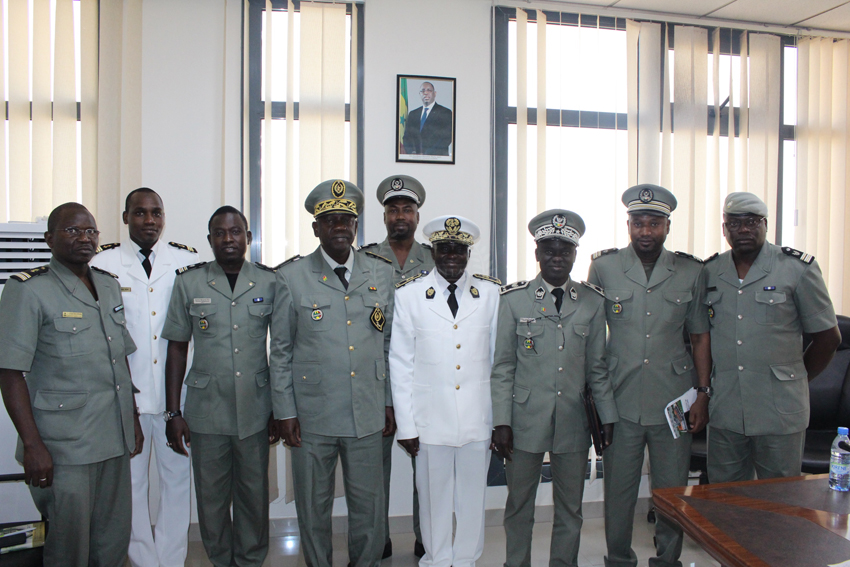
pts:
[338, 189]
[452, 225]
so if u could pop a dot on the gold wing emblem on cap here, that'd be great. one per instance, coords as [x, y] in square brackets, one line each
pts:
[338, 189]
[452, 225]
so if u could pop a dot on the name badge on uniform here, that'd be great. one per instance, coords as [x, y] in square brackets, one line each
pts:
[119, 308]
[527, 320]
[202, 300]
[126, 289]
[474, 292]
[72, 315]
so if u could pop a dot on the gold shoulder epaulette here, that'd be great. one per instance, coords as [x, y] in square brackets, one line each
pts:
[486, 278]
[379, 257]
[601, 253]
[264, 267]
[103, 247]
[513, 287]
[183, 247]
[710, 258]
[29, 274]
[689, 256]
[285, 262]
[102, 271]
[595, 288]
[185, 269]
[403, 283]
[802, 256]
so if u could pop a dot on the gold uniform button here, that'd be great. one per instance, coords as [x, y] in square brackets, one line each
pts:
[560, 369]
[646, 361]
[238, 374]
[109, 339]
[792, 376]
[348, 322]
[740, 342]
[740, 317]
[315, 305]
[411, 261]
[118, 387]
[740, 291]
[73, 328]
[559, 393]
[232, 303]
[560, 347]
[647, 336]
[350, 348]
[352, 374]
[458, 366]
[153, 313]
[740, 368]
[154, 337]
[648, 313]
[455, 326]
[113, 361]
[236, 351]
[458, 346]
[303, 377]
[150, 289]
[649, 291]
[346, 298]
[457, 387]
[154, 361]
[61, 405]
[250, 284]
[560, 326]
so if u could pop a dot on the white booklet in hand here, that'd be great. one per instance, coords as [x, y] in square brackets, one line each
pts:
[676, 412]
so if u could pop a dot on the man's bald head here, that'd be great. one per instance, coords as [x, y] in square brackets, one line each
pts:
[61, 211]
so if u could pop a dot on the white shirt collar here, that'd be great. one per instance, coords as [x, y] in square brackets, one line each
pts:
[138, 250]
[349, 264]
[429, 107]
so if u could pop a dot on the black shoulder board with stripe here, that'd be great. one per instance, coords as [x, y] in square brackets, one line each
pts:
[103, 247]
[379, 257]
[710, 258]
[183, 247]
[689, 256]
[102, 271]
[513, 287]
[601, 253]
[29, 274]
[427, 246]
[289, 261]
[802, 256]
[595, 288]
[487, 278]
[365, 246]
[185, 269]
[264, 267]
[403, 283]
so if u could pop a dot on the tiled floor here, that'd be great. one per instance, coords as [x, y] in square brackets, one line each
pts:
[285, 551]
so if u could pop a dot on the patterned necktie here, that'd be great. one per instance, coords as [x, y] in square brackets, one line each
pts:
[422, 119]
[559, 298]
[452, 301]
[340, 273]
[146, 263]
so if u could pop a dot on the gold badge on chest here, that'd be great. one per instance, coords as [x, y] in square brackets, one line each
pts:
[429, 293]
[377, 319]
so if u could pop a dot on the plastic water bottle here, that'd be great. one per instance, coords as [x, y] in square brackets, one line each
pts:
[839, 463]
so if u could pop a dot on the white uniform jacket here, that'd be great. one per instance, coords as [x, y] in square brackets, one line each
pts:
[145, 307]
[439, 364]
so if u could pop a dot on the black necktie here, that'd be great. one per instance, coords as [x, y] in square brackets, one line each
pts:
[559, 298]
[452, 301]
[146, 263]
[340, 273]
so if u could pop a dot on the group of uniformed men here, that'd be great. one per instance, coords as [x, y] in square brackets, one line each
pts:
[95, 347]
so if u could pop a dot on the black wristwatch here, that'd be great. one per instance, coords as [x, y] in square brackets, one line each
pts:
[169, 415]
[707, 390]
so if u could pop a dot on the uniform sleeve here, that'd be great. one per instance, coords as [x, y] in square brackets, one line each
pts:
[697, 317]
[283, 330]
[593, 275]
[401, 361]
[596, 368]
[20, 319]
[504, 364]
[178, 322]
[813, 303]
[388, 333]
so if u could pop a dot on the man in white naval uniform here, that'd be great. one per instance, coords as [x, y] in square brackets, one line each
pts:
[145, 267]
[441, 353]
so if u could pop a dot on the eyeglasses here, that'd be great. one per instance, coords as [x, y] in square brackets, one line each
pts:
[749, 222]
[75, 232]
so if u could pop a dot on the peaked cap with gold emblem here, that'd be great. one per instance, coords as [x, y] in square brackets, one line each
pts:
[402, 186]
[452, 228]
[334, 196]
[649, 199]
[557, 223]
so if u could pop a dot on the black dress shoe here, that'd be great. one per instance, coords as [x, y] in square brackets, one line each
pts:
[418, 549]
[388, 549]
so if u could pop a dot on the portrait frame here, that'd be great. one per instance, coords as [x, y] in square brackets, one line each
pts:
[431, 140]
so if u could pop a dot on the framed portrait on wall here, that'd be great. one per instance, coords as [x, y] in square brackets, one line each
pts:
[425, 119]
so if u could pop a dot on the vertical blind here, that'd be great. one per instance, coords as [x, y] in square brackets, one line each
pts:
[49, 147]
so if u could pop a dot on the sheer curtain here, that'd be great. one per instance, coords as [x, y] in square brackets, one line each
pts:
[51, 155]
[681, 154]
[823, 154]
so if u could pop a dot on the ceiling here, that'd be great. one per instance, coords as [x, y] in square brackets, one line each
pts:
[813, 14]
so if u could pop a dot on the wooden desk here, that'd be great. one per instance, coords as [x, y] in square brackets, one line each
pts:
[783, 522]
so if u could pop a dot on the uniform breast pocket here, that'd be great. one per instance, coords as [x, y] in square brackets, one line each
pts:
[74, 337]
[712, 299]
[204, 321]
[529, 336]
[315, 311]
[619, 304]
[676, 305]
[579, 339]
[769, 306]
[259, 321]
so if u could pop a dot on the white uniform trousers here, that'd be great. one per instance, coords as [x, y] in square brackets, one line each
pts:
[172, 523]
[452, 479]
